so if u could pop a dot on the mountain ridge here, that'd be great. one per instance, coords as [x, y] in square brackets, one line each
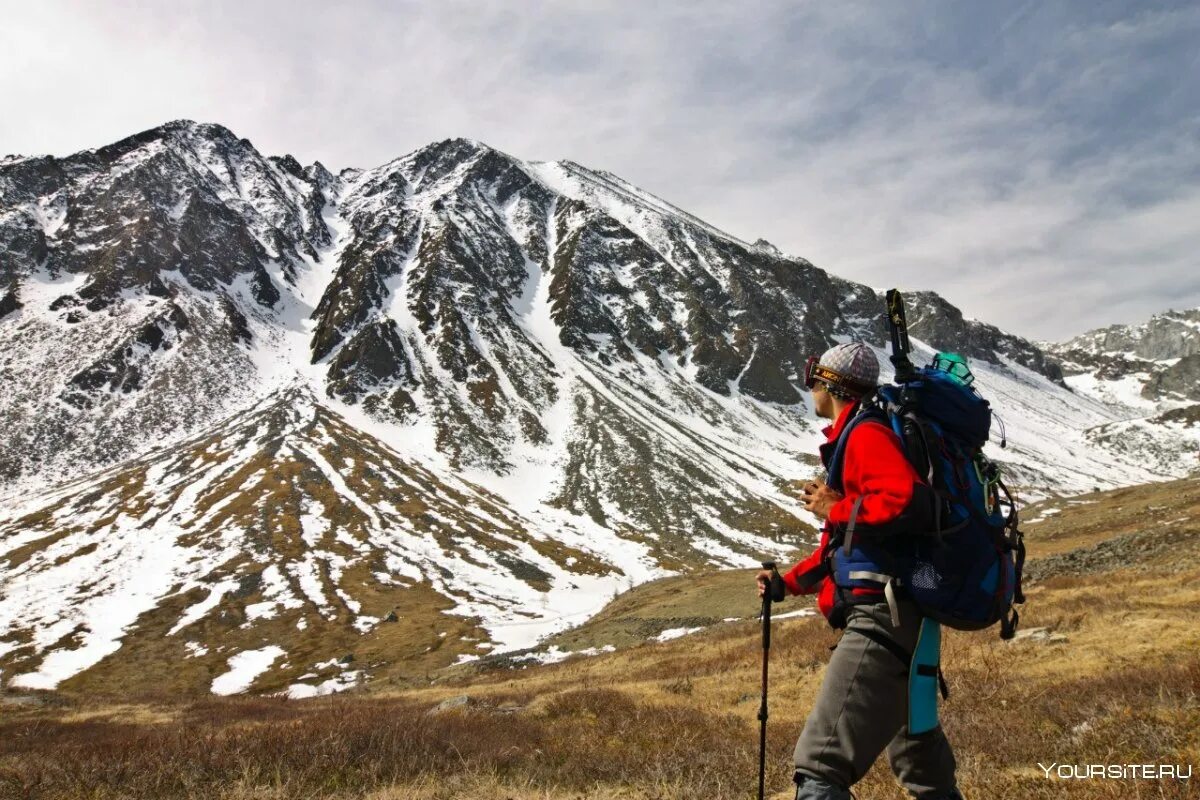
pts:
[620, 380]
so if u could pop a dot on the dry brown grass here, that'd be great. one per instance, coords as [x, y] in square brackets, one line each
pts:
[576, 741]
[673, 720]
[667, 720]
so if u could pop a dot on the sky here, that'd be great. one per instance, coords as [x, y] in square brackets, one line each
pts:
[1036, 163]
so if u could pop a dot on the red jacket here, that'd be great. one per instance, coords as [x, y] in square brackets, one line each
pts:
[874, 466]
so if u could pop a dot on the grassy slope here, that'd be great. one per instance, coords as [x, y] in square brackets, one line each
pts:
[1119, 576]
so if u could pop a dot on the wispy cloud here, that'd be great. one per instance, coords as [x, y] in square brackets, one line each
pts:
[1039, 164]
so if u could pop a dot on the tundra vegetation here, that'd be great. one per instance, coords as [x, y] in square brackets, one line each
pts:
[1107, 673]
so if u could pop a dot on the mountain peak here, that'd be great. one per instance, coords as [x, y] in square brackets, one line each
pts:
[459, 143]
[188, 129]
[764, 245]
[461, 151]
[213, 129]
[180, 132]
[1164, 336]
[458, 392]
[455, 150]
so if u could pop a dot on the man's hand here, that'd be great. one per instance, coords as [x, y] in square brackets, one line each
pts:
[819, 498]
[764, 580]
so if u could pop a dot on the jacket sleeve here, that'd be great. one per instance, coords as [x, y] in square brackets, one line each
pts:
[792, 576]
[876, 466]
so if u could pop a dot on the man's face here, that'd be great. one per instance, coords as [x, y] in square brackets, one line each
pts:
[822, 400]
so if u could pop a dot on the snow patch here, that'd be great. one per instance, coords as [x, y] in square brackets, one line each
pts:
[244, 668]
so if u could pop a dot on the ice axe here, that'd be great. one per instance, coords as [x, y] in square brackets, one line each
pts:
[775, 591]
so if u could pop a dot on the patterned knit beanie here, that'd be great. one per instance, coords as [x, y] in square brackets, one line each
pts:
[850, 370]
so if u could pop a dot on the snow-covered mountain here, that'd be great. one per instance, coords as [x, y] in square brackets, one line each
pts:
[1137, 365]
[262, 414]
[1150, 374]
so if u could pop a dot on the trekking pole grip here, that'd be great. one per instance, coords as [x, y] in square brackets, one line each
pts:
[776, 588]
[773, 592]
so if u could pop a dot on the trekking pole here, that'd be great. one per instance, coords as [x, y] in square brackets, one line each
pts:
[775, 591]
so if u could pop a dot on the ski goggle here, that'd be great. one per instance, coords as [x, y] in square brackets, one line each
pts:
[813, 372]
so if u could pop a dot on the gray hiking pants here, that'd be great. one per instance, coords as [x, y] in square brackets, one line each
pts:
[861, 710]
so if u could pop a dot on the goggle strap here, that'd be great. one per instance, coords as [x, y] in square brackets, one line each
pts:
[814, 372]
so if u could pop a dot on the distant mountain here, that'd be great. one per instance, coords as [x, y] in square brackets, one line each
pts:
[1151, 374]
[245, 398]
[1163, 354]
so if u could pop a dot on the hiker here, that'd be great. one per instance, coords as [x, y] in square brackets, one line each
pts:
[862, 708]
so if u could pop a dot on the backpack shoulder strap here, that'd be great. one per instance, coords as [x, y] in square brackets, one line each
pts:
[869, 413]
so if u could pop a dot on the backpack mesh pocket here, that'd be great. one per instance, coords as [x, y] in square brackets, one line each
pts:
[925, 577]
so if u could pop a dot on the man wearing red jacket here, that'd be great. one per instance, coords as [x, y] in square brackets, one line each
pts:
[861, 708]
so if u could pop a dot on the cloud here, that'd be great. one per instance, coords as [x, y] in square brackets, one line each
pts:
[1038, 164]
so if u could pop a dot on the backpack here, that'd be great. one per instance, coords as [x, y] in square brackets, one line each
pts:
[965, 570]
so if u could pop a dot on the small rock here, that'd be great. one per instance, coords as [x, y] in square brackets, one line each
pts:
[391, 617]
[347, 659]
[460, 702]
[1031, 634]
[1042, 635]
